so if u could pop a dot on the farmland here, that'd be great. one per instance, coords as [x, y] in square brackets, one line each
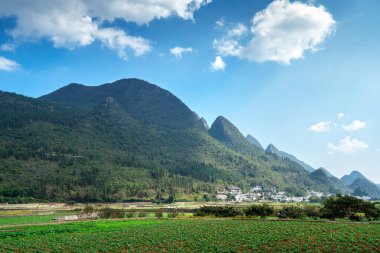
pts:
[192, 235]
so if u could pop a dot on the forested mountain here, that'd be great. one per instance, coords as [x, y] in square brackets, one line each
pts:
[332, 183]
[127, 140]
[254, 141]
[273, 150]
[357, 180]
[349, 179]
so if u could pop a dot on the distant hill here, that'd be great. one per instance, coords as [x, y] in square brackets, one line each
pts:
[273, 150]
[128, 140]
[355, 180]
[370, 187]
[332, 183]
[349, 179]
[254, 141]
[327, 172]
[224, 131]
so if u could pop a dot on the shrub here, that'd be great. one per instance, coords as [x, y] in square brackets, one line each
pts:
[357, 216]
[88, 209]
[173, 214]
[130, 214]
[218, 211]
[158, 214]
[259, 210]
[347, 206]
[293, 212]
[312, 211]
[107, 213]
[142, 214]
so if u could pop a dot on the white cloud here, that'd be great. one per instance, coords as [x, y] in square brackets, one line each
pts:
[238, 31]
[281, 32]
[8, 65]
[347, 145]
[77, 23]
[355, 125]
[340, 116]
[321, 127]
[220, 23]
[7, 47]
[178, 51]
[218, 64]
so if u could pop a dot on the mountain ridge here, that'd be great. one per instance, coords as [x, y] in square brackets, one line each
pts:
[127, 139]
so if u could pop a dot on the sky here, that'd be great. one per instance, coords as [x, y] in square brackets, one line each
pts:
[302, 75]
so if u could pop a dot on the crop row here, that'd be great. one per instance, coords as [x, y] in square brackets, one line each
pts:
[201, 235]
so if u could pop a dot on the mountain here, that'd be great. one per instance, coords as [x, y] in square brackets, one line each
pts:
[254, 141]
[333, 184]
[224, 131]
[127, 140]
[327, 172]
[273, 150]
[367, 185]
[357, 180]
[349, 179]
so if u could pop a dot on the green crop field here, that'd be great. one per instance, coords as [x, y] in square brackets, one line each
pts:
[192, 235]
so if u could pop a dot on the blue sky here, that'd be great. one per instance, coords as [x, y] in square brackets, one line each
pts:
[279, 70]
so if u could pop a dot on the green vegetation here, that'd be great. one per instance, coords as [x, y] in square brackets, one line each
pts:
[333, 207]
[193, 236]
[129, 140]
[30, 219]
[349, 207]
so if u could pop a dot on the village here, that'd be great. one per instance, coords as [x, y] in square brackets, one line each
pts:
[258, 193]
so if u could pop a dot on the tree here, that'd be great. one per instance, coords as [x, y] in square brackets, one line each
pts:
[360, 191]
[293, 212]
[347, 206]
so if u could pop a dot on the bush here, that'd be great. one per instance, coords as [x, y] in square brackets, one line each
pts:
[130, 214]
[347, 206]
[173, 214]
[259, 210]
[312, 211]
[159, 214]
[292, 212]
[218, 211]
[107, 213]
[357, 216]
[88, 209]
[142, 214]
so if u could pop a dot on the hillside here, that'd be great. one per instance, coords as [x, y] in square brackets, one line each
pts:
[349, 179]
[254, 141]
[271, 149]
[332, 183]
[127, 140]
[372, 189]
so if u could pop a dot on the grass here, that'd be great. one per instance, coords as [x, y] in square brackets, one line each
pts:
[192, 235]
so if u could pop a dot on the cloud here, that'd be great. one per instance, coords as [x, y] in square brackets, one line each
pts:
[8, 65]
[340, 116]
[238, 31]
[347, 145]
[7, 47]
[355, 125]
[218, 64]
[321, 127]
[78, 23]
[178, 51]
[220, 23]
[281, 32]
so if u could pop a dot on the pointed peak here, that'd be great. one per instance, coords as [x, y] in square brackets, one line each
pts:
[272, 149]
[356, 173]
[204, 123]
[254, 141]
